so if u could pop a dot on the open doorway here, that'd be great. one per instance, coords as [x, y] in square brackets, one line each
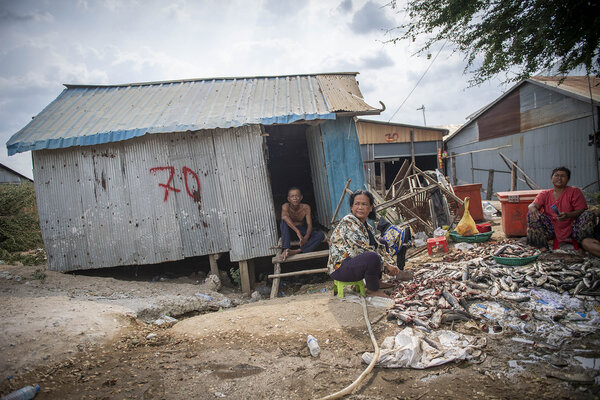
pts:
[289, 165]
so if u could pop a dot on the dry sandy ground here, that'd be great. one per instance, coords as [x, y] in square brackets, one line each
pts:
[84, 337]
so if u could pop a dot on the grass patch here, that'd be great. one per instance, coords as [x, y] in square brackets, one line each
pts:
[20, 234]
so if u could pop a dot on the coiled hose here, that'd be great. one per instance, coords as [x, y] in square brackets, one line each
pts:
[348, 389]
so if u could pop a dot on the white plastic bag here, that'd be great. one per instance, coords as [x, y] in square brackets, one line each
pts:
[439, 232]
[463, 246]
[489, 211]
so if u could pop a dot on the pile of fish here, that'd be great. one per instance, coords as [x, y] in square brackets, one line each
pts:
[510, 250]
[440, 292]
[435, 295]
[576, 279]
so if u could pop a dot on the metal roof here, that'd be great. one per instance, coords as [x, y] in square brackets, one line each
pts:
[93, 114]
[430, 128]
[572, 86]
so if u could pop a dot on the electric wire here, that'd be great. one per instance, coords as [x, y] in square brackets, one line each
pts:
[419, 81]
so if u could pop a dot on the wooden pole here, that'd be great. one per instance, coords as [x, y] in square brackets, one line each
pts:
[453, 168]
[382, 173]
[513, 178]
[245, 276]
[490, 187]
[214, 268]
[472, 170]
[533, 185]
[305, 272]
[412, 146]
[339, 204]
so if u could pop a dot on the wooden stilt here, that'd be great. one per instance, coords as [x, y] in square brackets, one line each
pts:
[245, 277]
[214, 268]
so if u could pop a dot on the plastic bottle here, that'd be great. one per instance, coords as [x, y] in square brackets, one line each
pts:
[26, 393]
[313, 346]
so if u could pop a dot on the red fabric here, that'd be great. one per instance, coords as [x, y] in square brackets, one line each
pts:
[571, 199]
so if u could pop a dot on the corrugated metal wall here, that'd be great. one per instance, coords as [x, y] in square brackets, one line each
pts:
[370, 133]
[559, 138]
[7, 176]
[537, 152]
[342, 158]
[319, 174]
[155, 198]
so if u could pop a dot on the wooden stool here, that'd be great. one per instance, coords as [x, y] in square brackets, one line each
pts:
[556, 244]
[338, 287]
[437, 241]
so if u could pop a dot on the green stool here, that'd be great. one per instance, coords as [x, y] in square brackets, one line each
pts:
[338, 287]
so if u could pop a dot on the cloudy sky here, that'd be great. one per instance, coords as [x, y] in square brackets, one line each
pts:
[46, 43]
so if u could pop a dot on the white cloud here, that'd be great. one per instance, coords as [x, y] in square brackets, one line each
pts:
[371, 17]
[114, 41]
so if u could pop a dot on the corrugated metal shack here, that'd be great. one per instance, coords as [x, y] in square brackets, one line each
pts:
[384, 146]
[145, 173]
[9, 175]
[543, 124]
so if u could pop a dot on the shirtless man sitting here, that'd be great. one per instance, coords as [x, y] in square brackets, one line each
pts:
[296, 216]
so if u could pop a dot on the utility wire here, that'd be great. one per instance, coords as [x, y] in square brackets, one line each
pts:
[419, 81]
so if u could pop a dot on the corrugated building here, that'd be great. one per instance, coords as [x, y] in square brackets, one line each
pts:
[384, 147]
[150, 172]
[540, 123]
[9, 175]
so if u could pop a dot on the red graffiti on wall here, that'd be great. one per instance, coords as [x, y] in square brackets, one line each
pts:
[391, 137]
[169, 185]
[187, 171]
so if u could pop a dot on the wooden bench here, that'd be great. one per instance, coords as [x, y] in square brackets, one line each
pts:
[277, 261]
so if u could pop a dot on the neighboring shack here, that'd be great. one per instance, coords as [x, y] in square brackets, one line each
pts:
[543, 123]
[384, 146]
[9, 175]
[145, 173]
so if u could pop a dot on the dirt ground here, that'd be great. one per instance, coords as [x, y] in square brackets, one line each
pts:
[93, 337]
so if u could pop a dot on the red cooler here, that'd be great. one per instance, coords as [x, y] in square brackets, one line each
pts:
[514, 210]
[474, 193]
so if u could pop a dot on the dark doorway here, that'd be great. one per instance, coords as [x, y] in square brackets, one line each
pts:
[289, 165]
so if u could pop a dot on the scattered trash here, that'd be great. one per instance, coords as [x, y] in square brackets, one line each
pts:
[420, 239]
[203, 296]
[151, 336]
[25, 393]
[412, 348]
[463, 246]
[439, 232]
[313, 345]
[466, 226]
[489, 211]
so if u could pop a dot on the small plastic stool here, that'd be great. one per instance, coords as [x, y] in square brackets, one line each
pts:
[555, 243]
[437, 241]
[338, 287]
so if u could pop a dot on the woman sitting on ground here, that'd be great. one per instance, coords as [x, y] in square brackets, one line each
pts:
[564, 214]
[354, 254]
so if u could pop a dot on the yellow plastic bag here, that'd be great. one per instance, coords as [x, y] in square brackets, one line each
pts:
[466, 226]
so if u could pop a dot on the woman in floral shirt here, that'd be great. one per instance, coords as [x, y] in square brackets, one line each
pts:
[353, 251]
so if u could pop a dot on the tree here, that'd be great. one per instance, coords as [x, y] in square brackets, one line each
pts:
[521, 36]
